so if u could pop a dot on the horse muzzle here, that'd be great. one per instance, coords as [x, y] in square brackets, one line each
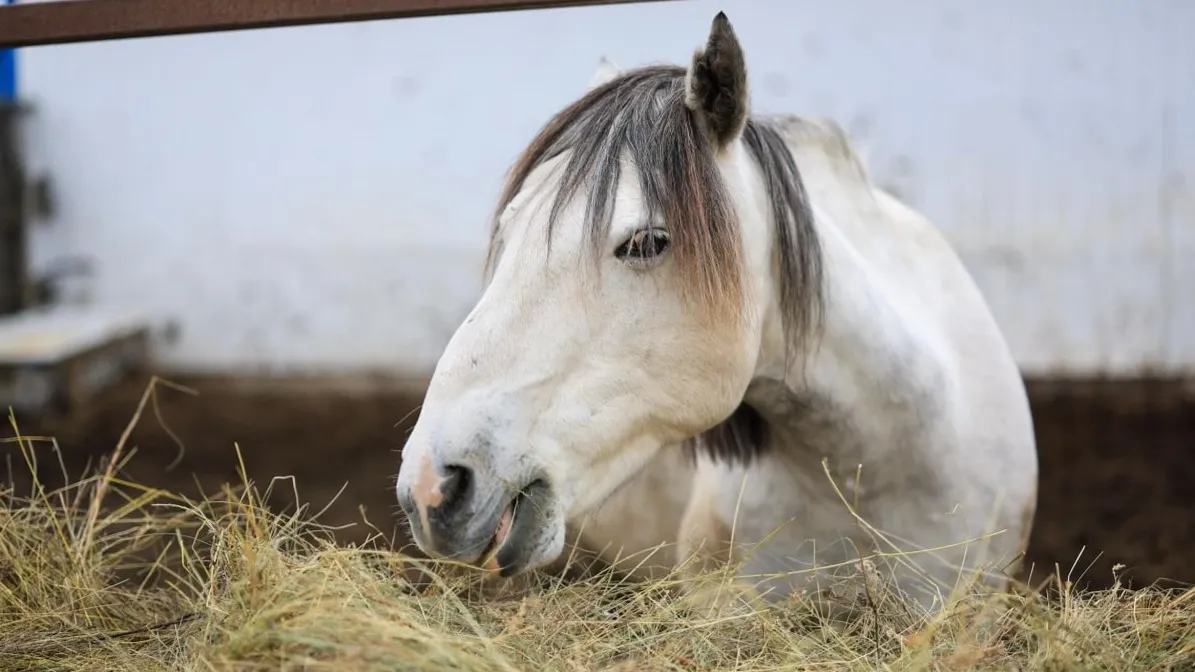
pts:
[468, 515]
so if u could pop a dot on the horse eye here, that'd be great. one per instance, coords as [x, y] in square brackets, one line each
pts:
[643, 245]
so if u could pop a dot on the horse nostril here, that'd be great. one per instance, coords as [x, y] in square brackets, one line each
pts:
[455, 486]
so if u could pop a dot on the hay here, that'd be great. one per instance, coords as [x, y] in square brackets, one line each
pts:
[111, 575]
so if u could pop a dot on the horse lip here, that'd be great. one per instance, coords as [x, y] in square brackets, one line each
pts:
[501, 534]
[508, 530]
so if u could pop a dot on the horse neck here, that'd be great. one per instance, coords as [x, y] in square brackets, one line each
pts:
[854, 367]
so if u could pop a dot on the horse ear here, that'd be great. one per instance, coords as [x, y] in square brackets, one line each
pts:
[716, 84]
[606, 71]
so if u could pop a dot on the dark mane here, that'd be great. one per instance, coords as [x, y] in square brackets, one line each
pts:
[641, 116]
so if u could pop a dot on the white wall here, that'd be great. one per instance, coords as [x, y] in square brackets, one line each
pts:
[316, 198]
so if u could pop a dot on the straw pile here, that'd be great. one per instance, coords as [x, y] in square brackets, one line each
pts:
[111, 575]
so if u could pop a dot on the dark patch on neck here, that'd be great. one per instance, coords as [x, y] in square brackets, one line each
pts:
[740, 439]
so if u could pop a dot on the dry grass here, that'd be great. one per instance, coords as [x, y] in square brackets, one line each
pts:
[111, 575]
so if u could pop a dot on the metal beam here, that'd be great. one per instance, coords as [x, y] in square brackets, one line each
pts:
[65, 21]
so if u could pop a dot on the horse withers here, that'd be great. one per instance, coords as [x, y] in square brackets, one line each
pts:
[669, 273]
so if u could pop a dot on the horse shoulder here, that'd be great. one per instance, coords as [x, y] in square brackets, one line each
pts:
[996, 445]
[950, 337]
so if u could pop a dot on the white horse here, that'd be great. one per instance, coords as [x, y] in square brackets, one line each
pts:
[661, 274]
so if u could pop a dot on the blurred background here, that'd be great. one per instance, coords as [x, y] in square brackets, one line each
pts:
[292, 221]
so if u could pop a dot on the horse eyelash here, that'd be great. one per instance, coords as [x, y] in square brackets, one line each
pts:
[623, 250]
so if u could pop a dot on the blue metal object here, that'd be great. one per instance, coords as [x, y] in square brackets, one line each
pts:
[8, 71]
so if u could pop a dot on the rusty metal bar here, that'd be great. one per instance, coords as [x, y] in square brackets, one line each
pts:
[64, 21]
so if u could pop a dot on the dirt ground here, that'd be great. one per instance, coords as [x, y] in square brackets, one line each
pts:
[1117, 479]
[1117, 476]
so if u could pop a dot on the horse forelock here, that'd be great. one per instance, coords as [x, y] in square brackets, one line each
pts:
[639, 119]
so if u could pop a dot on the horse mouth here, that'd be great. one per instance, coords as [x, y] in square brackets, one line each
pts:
[508, 551]
[501, 534]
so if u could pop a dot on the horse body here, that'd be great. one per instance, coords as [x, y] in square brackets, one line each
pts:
[667, 270]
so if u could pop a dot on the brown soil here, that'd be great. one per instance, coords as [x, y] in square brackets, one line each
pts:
[1117, 474]
[327, 435]
[1117, 479]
